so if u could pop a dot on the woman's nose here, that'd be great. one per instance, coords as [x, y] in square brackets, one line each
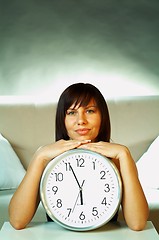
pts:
[81, 119]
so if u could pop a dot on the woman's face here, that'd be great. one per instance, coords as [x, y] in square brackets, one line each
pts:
[83, 123]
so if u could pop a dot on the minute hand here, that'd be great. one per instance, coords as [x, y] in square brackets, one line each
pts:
[75, 176]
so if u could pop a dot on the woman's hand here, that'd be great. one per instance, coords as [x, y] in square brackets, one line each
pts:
[110, 150]
[48, 152]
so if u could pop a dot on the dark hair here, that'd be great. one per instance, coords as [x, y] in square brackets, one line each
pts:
[82, 93]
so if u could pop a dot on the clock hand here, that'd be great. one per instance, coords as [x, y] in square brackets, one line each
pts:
[80, 186]
[76, 201]
[75, 176]
[79, 194]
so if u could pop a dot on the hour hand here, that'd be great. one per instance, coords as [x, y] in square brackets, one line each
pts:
[81, 193]
[81, 196]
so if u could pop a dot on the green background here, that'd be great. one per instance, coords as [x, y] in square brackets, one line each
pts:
[46, 45]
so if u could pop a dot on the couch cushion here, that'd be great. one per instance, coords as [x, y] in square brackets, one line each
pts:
[11, 169]
[148, 166]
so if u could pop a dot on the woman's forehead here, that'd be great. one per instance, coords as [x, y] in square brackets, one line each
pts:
[78, 104]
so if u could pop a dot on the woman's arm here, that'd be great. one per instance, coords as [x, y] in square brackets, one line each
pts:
[25, 200]
[134, 204]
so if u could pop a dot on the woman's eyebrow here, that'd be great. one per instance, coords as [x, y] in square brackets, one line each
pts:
[89, 106]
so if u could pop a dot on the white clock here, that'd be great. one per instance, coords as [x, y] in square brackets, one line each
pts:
[81, 190]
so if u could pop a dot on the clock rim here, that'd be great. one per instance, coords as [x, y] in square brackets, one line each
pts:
[51, 165]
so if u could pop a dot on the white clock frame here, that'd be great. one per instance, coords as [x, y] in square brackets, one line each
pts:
[81, 190]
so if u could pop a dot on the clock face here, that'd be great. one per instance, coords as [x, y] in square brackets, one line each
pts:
[81, 190]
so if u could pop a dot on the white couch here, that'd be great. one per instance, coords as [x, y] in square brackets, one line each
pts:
[28, 123]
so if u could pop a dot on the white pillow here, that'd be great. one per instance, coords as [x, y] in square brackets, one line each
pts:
[148, 166]
[11, 169]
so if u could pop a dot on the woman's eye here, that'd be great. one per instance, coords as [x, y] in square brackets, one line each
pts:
[71, 113]
[90, 111]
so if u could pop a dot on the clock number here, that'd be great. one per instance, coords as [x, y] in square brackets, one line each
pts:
[59, 203]
[68, 168]
[82, 216]
[107, 188]
[94, 211]
[69, 211]
[59, 176]
[80, 162]
[103, 175]
[104, 201]
[55, 189]
[94, 165]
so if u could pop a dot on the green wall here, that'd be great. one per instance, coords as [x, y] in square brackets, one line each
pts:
[47, 44]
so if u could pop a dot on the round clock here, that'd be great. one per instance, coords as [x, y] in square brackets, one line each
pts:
[81, 190]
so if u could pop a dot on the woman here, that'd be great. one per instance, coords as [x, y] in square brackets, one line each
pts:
[82, 120]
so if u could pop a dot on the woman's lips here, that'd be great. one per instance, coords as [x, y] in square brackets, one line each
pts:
[83, 131]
